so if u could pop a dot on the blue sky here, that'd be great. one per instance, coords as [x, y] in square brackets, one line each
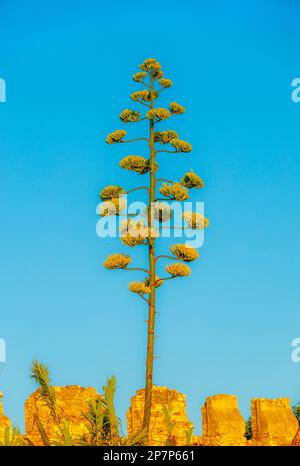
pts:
[226, 329]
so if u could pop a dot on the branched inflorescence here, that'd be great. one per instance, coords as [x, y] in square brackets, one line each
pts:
[144, 233]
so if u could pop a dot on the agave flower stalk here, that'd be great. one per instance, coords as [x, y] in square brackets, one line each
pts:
[135, 233]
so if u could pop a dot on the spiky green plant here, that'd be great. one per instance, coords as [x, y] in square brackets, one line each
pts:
[65, 435]
[189, 436]
[96, 419]
[103, 424]
[12, 437]
[170, 425]
[152, 78]
[40, 374]
[109, 395]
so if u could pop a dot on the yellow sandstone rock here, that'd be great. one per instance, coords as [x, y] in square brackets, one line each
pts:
[273, 422]
[296, 440]
[4, 421]
[222, 423]
[161, 397]
[72, 401]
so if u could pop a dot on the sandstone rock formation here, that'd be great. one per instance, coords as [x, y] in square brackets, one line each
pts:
[159, 435]
[273, 422]
[4, 421]
[72, 401]
[222, 423]
[296, 439]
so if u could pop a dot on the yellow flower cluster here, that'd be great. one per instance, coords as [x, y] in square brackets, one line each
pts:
[191, 180]
[116, 136]
[111, 191]
[138, 77]
[158, 114]
[117, 261]
[112, 207]
[148, 63]
[136, 163]
[135, 233]
[165, 83]
[174, 191]
[184, 252]
[164, 137]
[132, 241]
[161, 211]
[178, 270]
[176, 109]
[181, 146]
[139, 288]
[195, 220]
[129, 116]
[153, 67]
[140, 95]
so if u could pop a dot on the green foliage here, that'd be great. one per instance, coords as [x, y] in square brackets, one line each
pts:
[248, 429]
[65, 437]
[43, 434]
[188, 436]
[103, 423]
[96, 420]
[40, 374]
[170, 425]
[12, 437]
[109, 395]
[296, 411]
[136, 440]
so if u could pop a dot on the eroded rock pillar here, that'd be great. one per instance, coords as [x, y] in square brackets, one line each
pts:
[222, 422]
[273, 422]
[159, 435]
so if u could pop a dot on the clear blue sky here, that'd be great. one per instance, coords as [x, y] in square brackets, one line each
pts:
[68, 68]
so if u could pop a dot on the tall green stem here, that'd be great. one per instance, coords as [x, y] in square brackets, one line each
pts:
[151, 250]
